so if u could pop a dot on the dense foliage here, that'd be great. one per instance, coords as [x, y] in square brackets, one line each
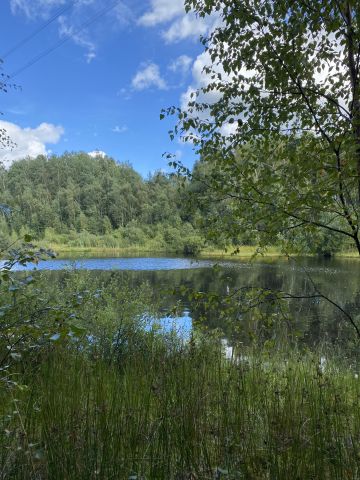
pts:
[84, 202]
[278, 116]
[78, 198]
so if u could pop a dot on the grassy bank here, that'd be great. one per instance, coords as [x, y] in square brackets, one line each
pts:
[65, 251]
[167, 411]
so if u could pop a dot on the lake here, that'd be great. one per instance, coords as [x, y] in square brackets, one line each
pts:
[310, 319]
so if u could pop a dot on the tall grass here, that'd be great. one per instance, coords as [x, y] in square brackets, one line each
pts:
[168, 410]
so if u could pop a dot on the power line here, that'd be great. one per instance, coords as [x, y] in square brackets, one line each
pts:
[37, 31]
[92, 20]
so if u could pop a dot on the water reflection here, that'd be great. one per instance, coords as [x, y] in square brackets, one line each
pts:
[181, 326]
[312, 320]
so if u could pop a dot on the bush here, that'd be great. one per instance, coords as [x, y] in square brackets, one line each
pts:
[193, 246]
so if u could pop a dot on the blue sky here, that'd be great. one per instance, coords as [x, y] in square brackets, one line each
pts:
[102, 89]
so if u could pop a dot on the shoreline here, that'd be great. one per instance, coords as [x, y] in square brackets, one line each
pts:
[247, 252]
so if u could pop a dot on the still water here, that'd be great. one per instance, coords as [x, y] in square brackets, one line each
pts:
[132, 264]
[312, 319]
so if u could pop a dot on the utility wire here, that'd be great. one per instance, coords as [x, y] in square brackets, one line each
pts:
[38, 30]
[43, 54]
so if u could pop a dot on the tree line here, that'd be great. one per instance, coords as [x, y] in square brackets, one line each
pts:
[76, 199]
[76, 194]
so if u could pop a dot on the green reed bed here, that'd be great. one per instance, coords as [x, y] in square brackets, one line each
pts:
[171, 411]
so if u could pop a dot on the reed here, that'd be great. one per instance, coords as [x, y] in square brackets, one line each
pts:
[159, 408]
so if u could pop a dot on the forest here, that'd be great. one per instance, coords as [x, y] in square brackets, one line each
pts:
[84, 202]
[95, 201]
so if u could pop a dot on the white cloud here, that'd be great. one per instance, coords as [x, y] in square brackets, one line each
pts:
[178, 154]
[78, 37]
[148, 76]
[229, 129]
[29, 142]
[200, 80]
[118, 129]
[181, 64]
[77, 15]
[16, 111]
[97, 153]
[185, 27]
[162, 11]
[35, 8]
[123, 15]
[182, 25]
